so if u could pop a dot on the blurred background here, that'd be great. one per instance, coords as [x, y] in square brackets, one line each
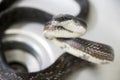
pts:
[103, 26]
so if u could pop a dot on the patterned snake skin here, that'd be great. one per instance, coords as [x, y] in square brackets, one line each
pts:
[65, 64]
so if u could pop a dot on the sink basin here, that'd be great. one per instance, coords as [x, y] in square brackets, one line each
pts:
[103, 26]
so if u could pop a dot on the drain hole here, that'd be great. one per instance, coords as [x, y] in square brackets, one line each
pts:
[18, 67]
[22, 61]
[20, 57]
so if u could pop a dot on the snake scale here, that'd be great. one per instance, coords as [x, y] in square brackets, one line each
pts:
[79, 52]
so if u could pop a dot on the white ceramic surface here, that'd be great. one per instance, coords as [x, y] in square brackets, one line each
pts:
[103, 26]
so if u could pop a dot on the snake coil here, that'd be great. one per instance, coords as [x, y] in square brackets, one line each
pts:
[66, 63]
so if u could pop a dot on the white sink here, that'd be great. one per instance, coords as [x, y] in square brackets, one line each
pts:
[103, 26]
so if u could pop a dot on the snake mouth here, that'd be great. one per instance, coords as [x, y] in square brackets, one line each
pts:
[56, 28]
[60, 31]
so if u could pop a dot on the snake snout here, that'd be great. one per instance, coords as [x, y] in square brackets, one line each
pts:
[65, 26]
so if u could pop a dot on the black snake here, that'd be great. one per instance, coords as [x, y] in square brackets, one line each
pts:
[86, 51]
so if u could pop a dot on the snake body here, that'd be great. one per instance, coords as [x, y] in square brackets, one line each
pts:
[66, 35]
[5, 4]
[66, 63]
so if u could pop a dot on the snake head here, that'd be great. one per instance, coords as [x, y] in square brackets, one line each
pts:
[65, 24]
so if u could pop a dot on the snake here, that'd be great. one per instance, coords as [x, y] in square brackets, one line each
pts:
[5, 4]
[64, 31]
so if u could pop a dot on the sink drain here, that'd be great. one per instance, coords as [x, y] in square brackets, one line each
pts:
[18, 67]
[20, 57]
